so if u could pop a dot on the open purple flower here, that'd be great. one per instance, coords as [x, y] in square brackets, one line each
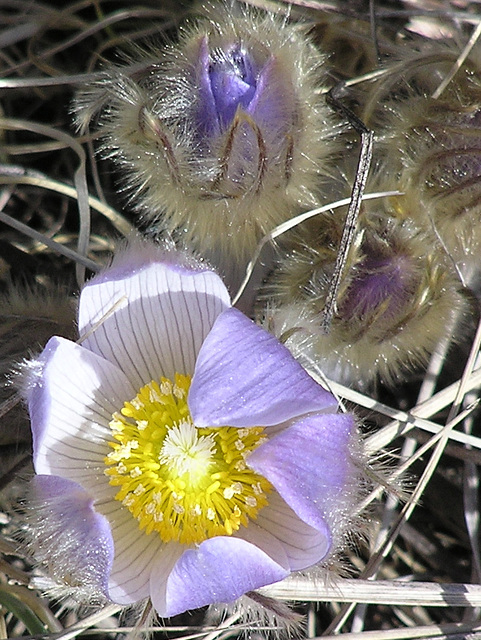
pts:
[181, 453]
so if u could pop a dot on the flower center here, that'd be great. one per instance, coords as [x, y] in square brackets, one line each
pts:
[186, 483]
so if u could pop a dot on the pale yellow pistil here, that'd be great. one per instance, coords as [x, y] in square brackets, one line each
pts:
[186, 483]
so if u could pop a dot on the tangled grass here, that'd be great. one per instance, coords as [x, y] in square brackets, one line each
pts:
[417, 571]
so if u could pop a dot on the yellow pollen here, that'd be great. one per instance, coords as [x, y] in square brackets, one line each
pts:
[183, 482]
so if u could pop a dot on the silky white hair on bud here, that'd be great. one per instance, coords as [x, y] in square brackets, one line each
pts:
[257, 612]
[395, 302]
[217, 169]
[428, 142]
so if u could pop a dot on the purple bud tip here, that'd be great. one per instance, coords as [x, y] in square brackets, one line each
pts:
[233, 81]
[381, 287]
[227, 80]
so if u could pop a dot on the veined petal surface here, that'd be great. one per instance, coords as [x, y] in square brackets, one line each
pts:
[303, 545]
[135, 555]
[150, 322]
[246, 377]
[71, 405]
[310, 465]
[220, 569]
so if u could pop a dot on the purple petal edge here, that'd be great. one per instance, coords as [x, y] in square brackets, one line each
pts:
[219, 570]
[311, 466]
[207, 116]
[245, 377]
[78, 540]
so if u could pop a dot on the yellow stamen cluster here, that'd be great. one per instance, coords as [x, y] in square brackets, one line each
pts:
[184, 482]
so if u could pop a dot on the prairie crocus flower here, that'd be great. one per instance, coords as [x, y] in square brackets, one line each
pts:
[223, 135]
[181, 453]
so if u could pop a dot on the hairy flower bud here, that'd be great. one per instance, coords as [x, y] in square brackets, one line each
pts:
[223, 135]
[394, 305]
[430, 144]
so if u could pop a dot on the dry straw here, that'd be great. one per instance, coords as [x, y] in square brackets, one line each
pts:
[416, 573]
